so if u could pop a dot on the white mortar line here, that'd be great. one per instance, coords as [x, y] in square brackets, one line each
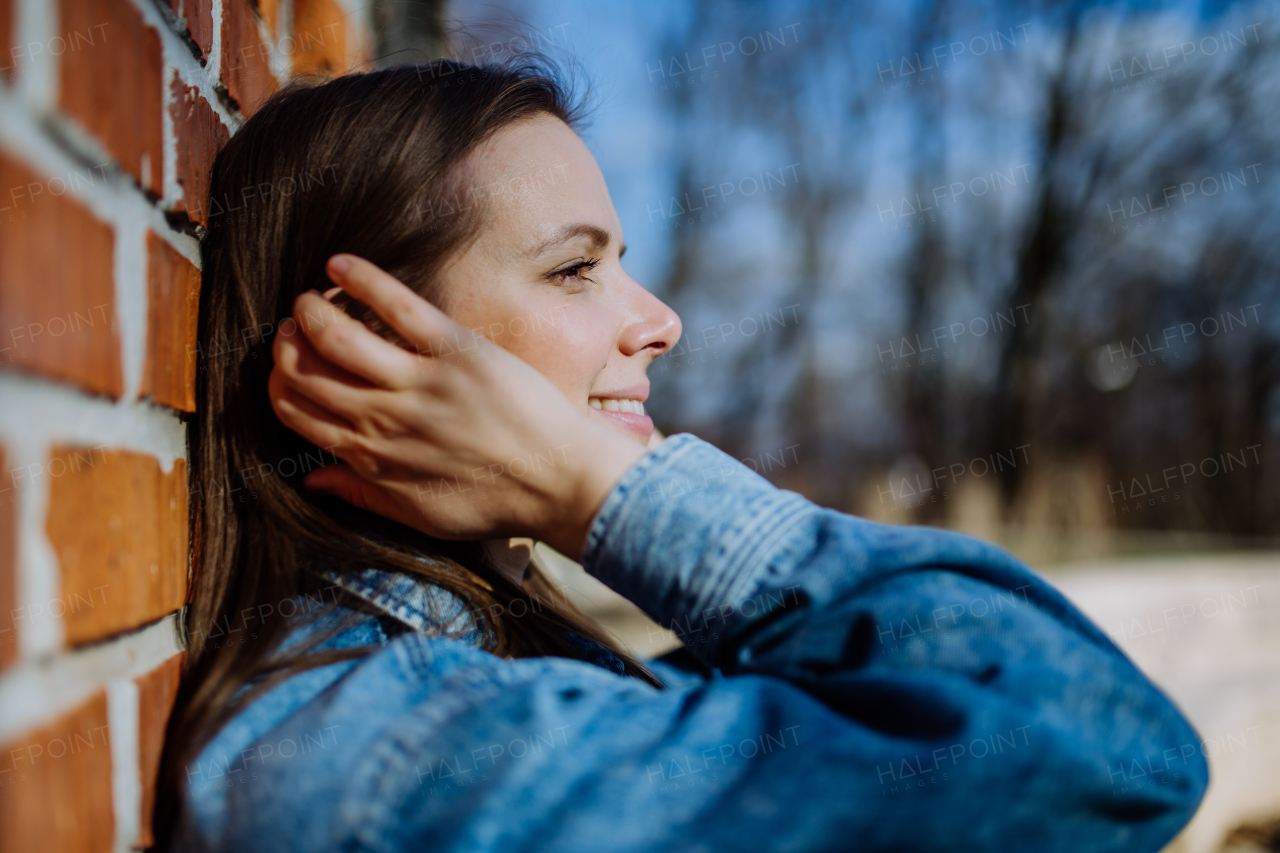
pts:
[360, 12]
[214, 65]
[108, 193]
[278, 61]
[130, 277]
[58, 413]
[126, 771]
[286, 27]
[36, 23]
[38, 577]
[183, 244]
[36, 415]
[178, 54]
[100, 189]
[171, 190]
[33, 692]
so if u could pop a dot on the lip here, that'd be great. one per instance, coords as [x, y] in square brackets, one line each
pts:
[638, 426]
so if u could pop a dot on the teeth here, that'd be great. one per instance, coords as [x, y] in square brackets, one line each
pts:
[608, 404]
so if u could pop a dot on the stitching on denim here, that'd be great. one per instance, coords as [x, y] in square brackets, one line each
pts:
[663, 454]
[763, 533]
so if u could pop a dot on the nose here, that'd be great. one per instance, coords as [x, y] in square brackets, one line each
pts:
[651, 325]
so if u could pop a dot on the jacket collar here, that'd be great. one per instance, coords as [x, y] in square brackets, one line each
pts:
[425, 607]
[414, 602]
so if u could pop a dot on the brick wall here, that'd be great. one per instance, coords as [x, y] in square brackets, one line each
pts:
[110, 114]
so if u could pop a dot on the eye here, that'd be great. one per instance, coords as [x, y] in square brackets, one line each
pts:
[575, 269]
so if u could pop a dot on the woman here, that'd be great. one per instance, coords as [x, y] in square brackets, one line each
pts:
[376, 663]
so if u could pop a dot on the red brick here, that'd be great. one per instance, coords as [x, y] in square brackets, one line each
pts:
[198, 15]
[57, 307]
[114, 88]
[56, 791]
[8, 563]
[269, 11]
[118, 525]
[156, 692]
[200, 135]
[6, 39]
[320, 38]
[173, 298]
[245, 68]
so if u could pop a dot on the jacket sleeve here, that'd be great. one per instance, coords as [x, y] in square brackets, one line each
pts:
[871, 687]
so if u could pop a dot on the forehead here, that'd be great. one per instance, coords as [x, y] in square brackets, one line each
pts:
[535, 176]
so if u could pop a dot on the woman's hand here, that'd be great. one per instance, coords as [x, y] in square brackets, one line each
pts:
[461, 440]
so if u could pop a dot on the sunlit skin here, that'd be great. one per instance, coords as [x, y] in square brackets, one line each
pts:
[530, 288]
[544, 280]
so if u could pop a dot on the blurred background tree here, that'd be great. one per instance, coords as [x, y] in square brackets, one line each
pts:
[408, 30]
[1003, 266]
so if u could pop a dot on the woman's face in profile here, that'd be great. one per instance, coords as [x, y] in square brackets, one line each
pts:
[543, 279]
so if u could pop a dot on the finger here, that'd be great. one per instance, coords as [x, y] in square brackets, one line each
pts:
[352, 346]
[306, 371]
[296, 355]
[416, 319]
[314, 423]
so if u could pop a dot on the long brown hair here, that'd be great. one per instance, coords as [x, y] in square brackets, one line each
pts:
[370, 164]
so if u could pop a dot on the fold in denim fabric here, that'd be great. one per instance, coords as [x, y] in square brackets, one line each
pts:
[843, 685]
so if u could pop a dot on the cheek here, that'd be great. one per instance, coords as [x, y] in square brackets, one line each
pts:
[568, 345]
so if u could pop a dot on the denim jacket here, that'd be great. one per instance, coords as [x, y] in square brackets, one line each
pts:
[842, 685]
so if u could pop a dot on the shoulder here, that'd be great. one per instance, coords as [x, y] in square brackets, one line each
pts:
[304, 764]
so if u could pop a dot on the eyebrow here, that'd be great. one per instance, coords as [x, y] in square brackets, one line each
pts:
[598, 236]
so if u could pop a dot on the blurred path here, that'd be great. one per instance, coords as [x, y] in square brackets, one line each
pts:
[1206, 628]
[628, 624]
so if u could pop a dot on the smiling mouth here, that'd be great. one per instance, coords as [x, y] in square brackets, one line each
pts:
[624, 414]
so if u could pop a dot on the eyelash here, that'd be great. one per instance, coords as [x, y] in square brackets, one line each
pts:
[564, 272]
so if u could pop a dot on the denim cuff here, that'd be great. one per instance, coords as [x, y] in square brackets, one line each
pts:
[690, 531]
